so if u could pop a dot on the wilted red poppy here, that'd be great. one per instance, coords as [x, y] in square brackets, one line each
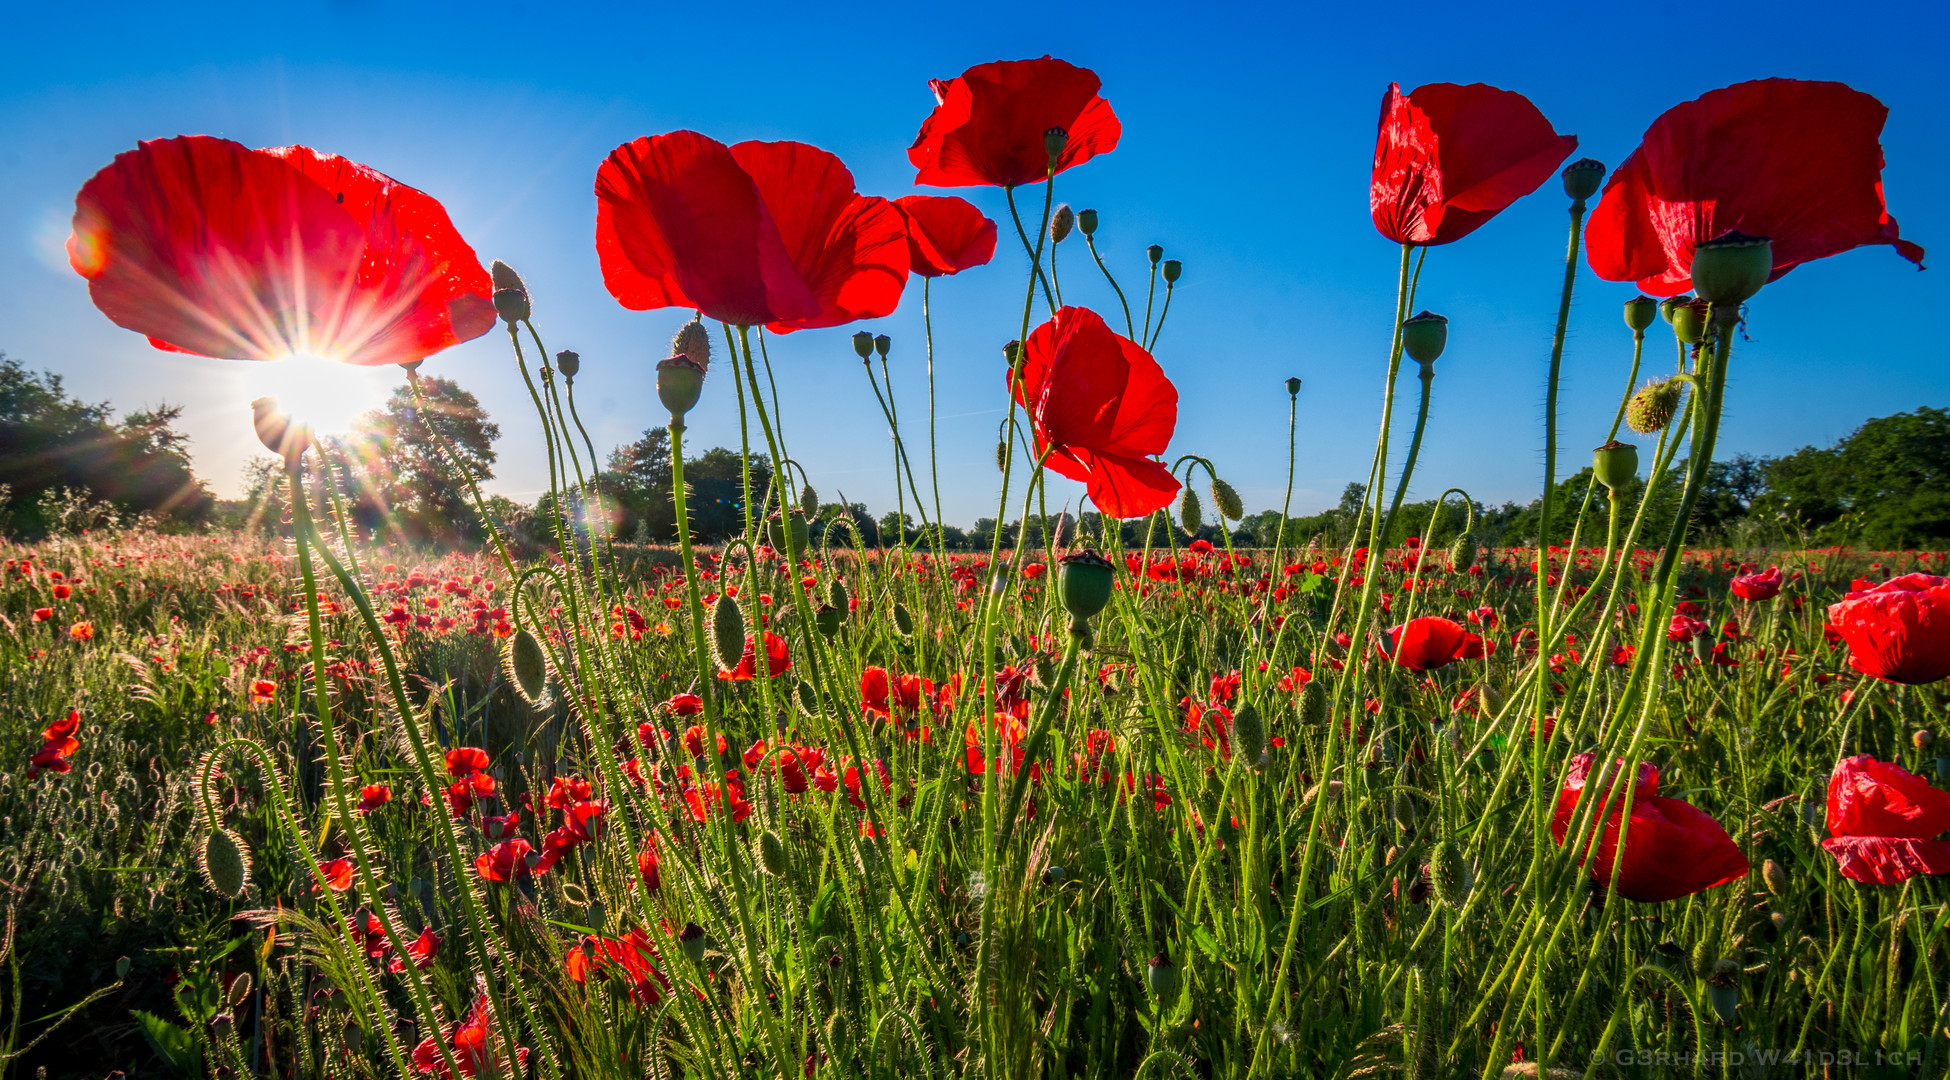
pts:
[474, 1046]
[336, 874]
[770, 233]
[212, 248]
[1102, 407]
[945, 235]
[1449, 158]
[1898, 630]
[1425, 642]
[1797, 162]
[422, 952]
[989, 123]
[1882, 818]
[1672, 848]
[1757, 587]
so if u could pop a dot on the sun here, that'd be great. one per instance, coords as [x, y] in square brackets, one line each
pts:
[322, 394]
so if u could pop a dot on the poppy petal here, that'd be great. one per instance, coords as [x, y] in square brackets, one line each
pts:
[1887, 860]
[989, 124]
[945, 235]
[1448, 158]
[849, 251]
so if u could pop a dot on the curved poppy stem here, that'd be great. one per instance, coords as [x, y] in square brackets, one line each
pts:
[1130, 329]
[1170, 287]
[1035, 252]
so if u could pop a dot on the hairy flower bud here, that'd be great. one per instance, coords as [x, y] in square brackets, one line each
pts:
[225, 864]
[1190, 516]
[1652, 406]
[1061, 222]
[1248, 735]
[1226, 500]
[693, 341]
[527, 668]
[1462, 553]
[771, 853]
[727, 632]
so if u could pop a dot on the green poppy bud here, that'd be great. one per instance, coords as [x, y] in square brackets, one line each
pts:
[1054, 140]
[1450, 875]
[527, 668]
[1154, 253]
[1190, 517]
[1172, 268]
[1313, 704]
[1248, 735]
[694, 341]
[882, 344]
[1689, 319]
[1161, 976]
[1001, 455]
[1651, 408]
[121, 967]
[1293, 387]
[225, 863]
[1639, 313]
[568, 363]
[1732, 267]
[837, 596]
[510, 295]
[903, 620]
[679, 384]
[863, 344]
[808, 501]
[692, 941]
[1084, 581]
[1581, 178]
[727, 632]
[240, 990]
[1462, 553]
[1012, 352]
[827, 619]
[1061, 222]
[1615, 464]
[771, 853]
[221, 1026]
[1087, 222]
[1226, 501]
[1424, 336]
[781, 527]
[1775, 878]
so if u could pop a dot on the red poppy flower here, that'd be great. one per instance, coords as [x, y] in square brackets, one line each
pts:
[82, 631]
[422, 952]
[1757, 587]
[989, 123]
[263, 690]
[770, 233]
[374, 796]
[1672, 848]
[43, 614]
[212, 248]
[1102, 408]
[1882, 818]
[1425, 642]
[504, 861]
[1899, 630]
[945, 235]
[685, 705]
[464, 760]
[336, 874]
[650, 865]
[58, 745]
[631, 959]
[1449, 158]
[1797, 162]
[474, 1045]
[777, 661]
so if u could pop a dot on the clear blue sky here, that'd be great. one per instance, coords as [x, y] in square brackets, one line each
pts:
[1248, 135]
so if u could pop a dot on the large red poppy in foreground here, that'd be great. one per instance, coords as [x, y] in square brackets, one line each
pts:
[757, 233]
[1899, 630]
[945, 235]
[1449, 158]
[1797, 162]
[1672, 848]
[212, 248]
[989, 123]
[1882, 817]
[1427, 642]
[1102, 408]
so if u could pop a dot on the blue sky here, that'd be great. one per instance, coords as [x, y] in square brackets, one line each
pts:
[1248, 135]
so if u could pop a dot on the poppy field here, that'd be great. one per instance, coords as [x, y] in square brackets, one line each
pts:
[1123, 795]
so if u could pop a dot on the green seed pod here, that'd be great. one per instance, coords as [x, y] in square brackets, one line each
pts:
[225, 863]
[1190, 517]
[727, 632]
[1226, 501]
[1652, 407]
[1084, 582]
[1248, 735]
[1615, 464]
[1462, 552]
[837, 596]
[903, 621]
[1172, 269]
[692, 940]
[1061, 222]
[222, 1025]
[882, 344]
[1639, 313]
[568, 363]
[1732, 267]
[1293, 386]
[1424, 336]
[510, 295]
[771, 853]
[527, 667]
[1690, 320]
[354, 1036]
[679, 384]
[1313, 704]
[1581, 178]
[1161, 975]
[1450, 875]
[863, 344]
[1087, 222]
[1154, 253]
[827, 620]
[693, 342]
[1054, 140]
[122, 967]
[598, 914]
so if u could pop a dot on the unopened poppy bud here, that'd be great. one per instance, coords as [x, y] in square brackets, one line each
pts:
[882, 344]
[1732, 267]
[1248, 735]
[121, 967]
[510, 295]
[1087, 222]
[354, 1036]
[1462, 553]
[1191, 517]
[1154, 253]
[679, 384]
[1424, 336]
[1161, 976]
[827, 619]
[1084, 582]
[1615, 464]
[276, 430]
[1172, 268]
[727, 632]
[1639, 313]
[1450, 875]
[1061, 223]
[1775, 878]
[771, 853]
[1226, 500]
[1293, 386]
[1689, 319]
[1922, 739]
[837, 596]
[1652, 407]
[1312, 706]
[863, 344]
[568, 363]
[240, 990]
[692, 939]
[1581, 178]
[903, 620]
[1001, 455]
[791, 526]
[1012, 352]
[693, 341]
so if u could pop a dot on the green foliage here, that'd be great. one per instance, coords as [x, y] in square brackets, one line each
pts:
[1887, 485]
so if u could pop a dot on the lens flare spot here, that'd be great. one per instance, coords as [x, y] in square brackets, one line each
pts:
[322, 394]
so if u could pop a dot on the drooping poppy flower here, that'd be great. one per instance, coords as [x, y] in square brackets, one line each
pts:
[1757, 587]
[757, 233]
[1102, 408]
[989, 124]
[58, 745]
[422, 952]
[1425, 642]
[1883, 818]
[1797, 162]
[474, 1045]
[1448, 158]
[1899, 630]
[945, 235]
[631, 959]
[209, 247]
[1672, 848]
[777, 662]
[685, 705]
[336, 874]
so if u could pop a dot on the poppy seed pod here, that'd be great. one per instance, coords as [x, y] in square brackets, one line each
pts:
[694, 341]
[692, 940]
[1161, 976]
[1012, 353]
[1732, 267]
[1084, 582]
[1226, 501]
[1667, 305]
[1061, 222]
[679, 384]
[882, 344]
[727, 632]
[1054, 140]
[1087, 222]
[1689, 320]
[1172, 269]
[1581, 178]
[510, 295]
[1639, 313]
[1190, 517]
[1652, 407]
[1615, 464]
[863, 344]
[1154, 253]
[1424, 336]
[568, 363]
[277, 432]
[1293, 386]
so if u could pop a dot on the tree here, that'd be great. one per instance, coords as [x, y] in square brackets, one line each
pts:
[1883, 485]
[638, 481]
[404, 482]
